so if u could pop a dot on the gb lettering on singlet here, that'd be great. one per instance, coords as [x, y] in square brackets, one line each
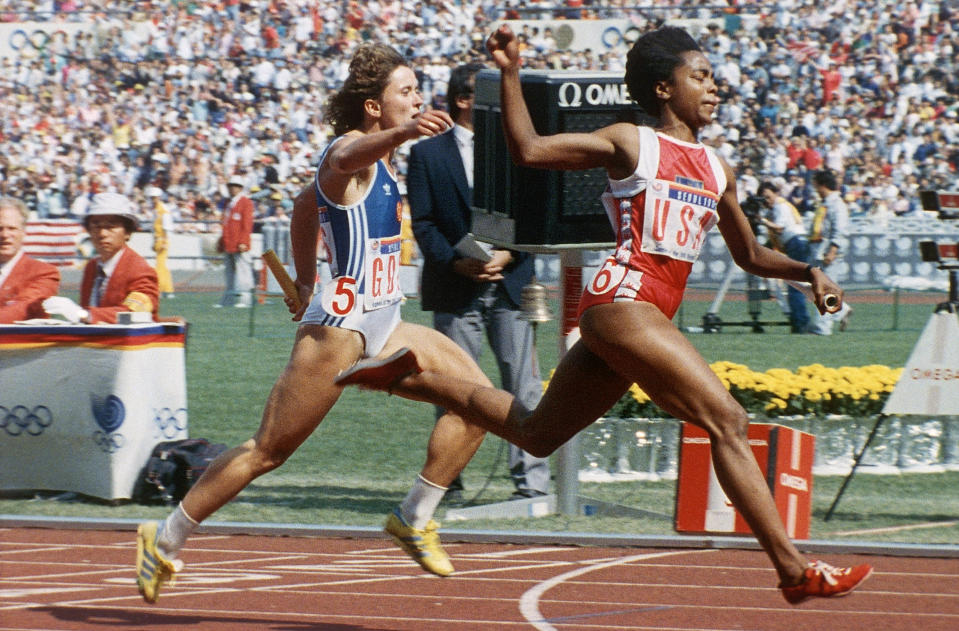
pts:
[676, 219]
[382, 273]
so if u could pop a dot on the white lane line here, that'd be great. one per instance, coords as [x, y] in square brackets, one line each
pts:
[529, 601]
[873, 531]
[512, 553]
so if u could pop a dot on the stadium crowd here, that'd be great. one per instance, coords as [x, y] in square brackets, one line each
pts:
[185, 95]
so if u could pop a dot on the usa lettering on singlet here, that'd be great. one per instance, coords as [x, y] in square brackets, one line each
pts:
[363, 246]
[663, 210]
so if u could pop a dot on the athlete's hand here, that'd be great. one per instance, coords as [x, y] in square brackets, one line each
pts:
[305, 293]
[823, 286]
[503, 47]
[430, 122]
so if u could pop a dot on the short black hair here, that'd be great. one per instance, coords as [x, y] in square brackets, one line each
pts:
[652, 59]
[460, 84]
[768, 186]
[826, 178]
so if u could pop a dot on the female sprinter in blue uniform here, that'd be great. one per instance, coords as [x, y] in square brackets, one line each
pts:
[356, 203]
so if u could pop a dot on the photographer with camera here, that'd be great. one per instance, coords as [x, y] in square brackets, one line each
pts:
[788, 234]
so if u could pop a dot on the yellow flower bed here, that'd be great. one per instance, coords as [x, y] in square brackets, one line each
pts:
[812, 390]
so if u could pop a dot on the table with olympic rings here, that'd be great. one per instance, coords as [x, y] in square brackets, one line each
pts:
[82, 406]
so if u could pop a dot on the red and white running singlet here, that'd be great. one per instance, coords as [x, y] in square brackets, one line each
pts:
[660, 214]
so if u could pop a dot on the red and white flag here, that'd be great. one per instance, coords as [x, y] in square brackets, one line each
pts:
[803, 51]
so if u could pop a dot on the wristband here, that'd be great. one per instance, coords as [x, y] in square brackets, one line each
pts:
[809, 269]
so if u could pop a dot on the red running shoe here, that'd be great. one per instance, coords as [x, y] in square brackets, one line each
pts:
[822, 580]
[380, 374]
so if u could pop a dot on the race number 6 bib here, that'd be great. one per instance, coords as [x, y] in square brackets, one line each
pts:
[607, 277]
[676, 219]
[382, 273]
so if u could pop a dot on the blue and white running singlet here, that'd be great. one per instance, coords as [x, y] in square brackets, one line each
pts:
[363, 245]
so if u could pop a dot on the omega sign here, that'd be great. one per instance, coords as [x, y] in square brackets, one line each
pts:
[572, 94]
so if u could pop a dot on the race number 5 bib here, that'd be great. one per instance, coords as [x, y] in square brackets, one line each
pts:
[339, 296]
[676, 219]
[382, 273]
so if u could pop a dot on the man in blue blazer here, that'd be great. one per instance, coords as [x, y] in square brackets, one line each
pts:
[467, 295]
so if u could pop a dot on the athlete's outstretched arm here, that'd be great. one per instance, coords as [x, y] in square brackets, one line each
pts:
[356, 151]
[564, 151]
[755, 258]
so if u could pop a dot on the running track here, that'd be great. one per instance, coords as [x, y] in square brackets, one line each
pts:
[52, 580]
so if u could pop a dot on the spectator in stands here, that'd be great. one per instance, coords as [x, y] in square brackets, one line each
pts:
[183, 73]
[117, 278]
[803, 155]
[24, 281]
[234, 243]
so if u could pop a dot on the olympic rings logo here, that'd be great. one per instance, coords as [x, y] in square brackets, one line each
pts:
[170, 422]
[108, 443]
[21, 419]
[37, 40]
[613, 37]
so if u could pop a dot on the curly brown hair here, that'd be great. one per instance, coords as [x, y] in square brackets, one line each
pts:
[370, 71]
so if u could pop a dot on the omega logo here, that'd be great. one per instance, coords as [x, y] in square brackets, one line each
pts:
[572, 94]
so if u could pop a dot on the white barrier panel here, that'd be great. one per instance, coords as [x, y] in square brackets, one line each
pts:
[81, 407]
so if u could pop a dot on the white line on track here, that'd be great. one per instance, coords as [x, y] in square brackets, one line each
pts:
[529, 601]
[512, 553]
[873, 531]
[39, 548]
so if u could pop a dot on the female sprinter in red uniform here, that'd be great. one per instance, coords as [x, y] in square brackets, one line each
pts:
[666, 190]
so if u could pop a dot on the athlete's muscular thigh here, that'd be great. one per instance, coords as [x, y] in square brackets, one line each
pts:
[582, 389]
[435, 352]
[644, 346]
[305, 392]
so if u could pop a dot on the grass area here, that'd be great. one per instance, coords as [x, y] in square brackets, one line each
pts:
[364, 456]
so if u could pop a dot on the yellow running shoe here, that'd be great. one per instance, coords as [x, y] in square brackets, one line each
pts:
[423, 545]
[152, 569]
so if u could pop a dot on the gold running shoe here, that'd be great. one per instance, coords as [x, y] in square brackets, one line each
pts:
[423, 545]
[152, 569]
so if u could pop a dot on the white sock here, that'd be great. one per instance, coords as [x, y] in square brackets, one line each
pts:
[174, 531]
[421, 502]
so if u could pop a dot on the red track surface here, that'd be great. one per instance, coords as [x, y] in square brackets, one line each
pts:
[56, 580]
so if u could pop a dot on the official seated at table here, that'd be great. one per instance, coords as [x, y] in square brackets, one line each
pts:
[24, 281]
[117, 279]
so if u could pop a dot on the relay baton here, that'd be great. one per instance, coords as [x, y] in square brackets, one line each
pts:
[282, 277]
[830, 301]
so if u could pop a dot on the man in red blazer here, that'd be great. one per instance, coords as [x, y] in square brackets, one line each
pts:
[235, 245]
[24, 281]
[117, 278]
